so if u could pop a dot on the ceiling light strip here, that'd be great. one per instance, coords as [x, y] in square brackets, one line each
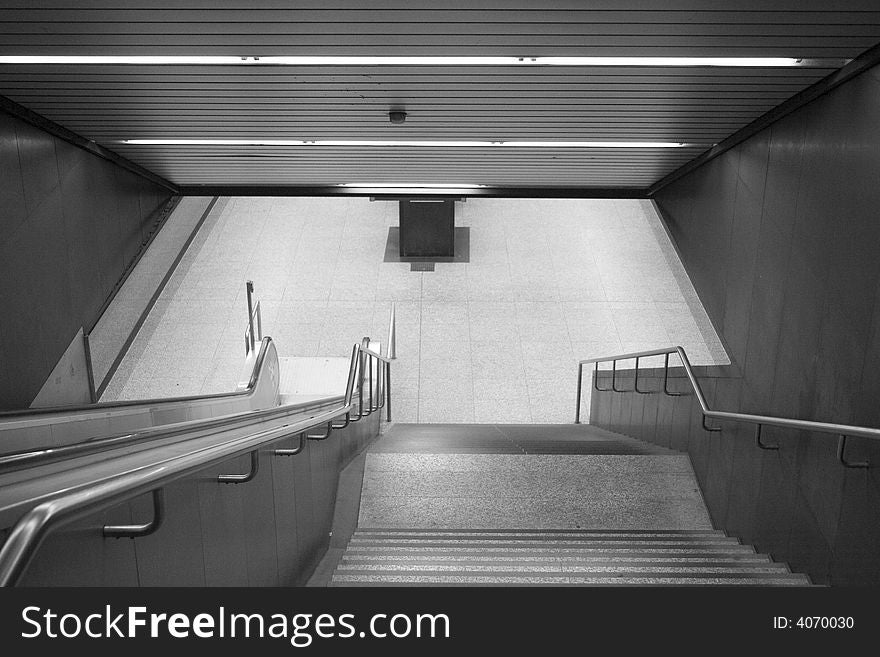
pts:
[406, 142]
[225, 60]
[412, 185]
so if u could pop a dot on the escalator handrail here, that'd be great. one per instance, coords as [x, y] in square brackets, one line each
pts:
[78, 502]
[31, 458]
[110, 406]
[13, 461]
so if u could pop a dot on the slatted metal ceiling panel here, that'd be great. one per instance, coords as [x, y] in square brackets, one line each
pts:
[698, 105]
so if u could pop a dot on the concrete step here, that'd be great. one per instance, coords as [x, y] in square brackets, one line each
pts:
[608, 557]
[567, 579]
[544, 567]
[544, 551]
[510, 439]
[613, 559]
[609, 543]
[537, 533]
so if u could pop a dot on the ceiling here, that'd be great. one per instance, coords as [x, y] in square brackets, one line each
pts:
[698, 105]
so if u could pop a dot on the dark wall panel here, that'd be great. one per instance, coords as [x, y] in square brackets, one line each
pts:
[70, 223]
[780, 237]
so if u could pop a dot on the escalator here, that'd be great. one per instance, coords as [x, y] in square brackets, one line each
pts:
[225, 489]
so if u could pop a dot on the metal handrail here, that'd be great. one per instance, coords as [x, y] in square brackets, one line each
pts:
[81, 501]
[383, 380]
[13, 461]
[153, 401]
[370, 352]
[65, 506]
[392, 333]
[43, 455]
[842, 430]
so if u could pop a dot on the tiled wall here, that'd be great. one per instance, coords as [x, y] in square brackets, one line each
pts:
[495, 339]
[780, 237]
[70, 222]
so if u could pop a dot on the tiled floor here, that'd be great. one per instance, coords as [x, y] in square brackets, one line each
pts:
[497, 339]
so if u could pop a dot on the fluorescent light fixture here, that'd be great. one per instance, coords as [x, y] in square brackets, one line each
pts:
[411, 185]
[225, 60]
[406, 142]
[668, 61]
[125, 59]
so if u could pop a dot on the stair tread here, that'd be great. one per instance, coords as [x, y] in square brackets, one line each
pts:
[565, 568]
[725, 549]
[504, 532]
[573, 579]
[528, 550]
[603, 559]
[608, 544]
[511, 439]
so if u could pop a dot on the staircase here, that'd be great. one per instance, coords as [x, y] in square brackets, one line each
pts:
[559, 558]
[551, 505]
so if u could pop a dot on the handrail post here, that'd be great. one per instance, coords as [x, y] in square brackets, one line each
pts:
[577, 411]
[392, 333]
[380, 384]
[370, 378]
[353, 369]
[249, 287]
[636, 382]
[596, 378]
[361, 384]
[365, 345]
[388, 392]
[259, 324]
[614, 376]
[666, 379]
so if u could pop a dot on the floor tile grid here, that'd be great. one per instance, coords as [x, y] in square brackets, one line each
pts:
[562, 329]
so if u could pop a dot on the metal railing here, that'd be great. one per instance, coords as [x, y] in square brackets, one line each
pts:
[252, 335]
[841, 430]
[42, 455]
[392, 333]
[69, 504]
[79, 502]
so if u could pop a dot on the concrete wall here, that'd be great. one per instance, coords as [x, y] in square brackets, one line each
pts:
[780, 238]
[70, 223]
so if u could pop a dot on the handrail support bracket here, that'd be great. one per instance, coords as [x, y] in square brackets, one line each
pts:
[136, 531]
[246, 477]
[841, 449]
[758, 440]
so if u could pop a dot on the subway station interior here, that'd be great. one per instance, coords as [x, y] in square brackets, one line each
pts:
[472, 293]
